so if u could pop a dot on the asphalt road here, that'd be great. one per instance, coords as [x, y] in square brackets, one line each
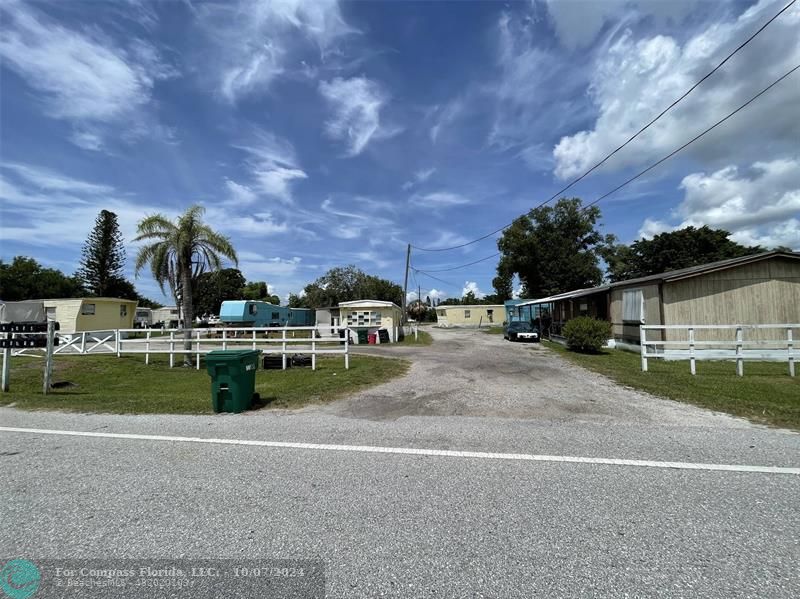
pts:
[407, 525]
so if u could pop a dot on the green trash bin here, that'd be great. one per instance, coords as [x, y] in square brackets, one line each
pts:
[363, 336]
[233, 378]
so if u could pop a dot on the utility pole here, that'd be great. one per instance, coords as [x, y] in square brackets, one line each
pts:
[405, 282]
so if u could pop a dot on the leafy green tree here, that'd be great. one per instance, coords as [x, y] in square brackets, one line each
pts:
[213, 288]
[103, 257]
[259, 291]
[178, 253]
[24, 278]
[553, 249]
[671, 251]
[297, 301]
[348, 283]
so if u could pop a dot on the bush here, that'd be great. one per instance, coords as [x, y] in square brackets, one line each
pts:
[586, 334]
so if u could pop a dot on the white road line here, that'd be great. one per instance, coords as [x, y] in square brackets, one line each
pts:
[477, 455]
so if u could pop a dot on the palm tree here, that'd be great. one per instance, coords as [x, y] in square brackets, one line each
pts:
[178, 253]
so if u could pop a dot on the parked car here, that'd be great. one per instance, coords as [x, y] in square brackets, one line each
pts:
[520, 331]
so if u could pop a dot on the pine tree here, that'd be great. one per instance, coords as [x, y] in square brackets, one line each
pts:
[103, 256]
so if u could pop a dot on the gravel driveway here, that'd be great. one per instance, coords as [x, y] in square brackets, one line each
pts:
[471, 373]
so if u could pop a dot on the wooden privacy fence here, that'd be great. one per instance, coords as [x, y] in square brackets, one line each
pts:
[736, 342]
[285, 341]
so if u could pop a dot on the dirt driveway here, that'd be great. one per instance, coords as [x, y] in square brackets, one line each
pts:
[471, 373]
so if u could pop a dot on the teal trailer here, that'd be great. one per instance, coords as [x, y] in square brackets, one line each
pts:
[302, 317]
[245, 313]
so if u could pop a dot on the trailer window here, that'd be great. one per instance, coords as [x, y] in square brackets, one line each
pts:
[633, 305]
[466, 314]
[123, 310]
[252, 309]
[87, 309]
[276, 316]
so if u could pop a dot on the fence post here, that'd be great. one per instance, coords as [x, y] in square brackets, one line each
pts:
[83, 342]
[117, 337]
[643, 346]
[692, 368]
[313, 353]
[224, 339]
[171, 349]
[147, 348]
[791, 353]
[346, 349]
[254, 339]
[283, 348]
[6, 365]
[739, 361]
[48, 360]
[198, 351]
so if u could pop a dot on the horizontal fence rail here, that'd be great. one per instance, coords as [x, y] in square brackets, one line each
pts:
[737, 342]
[285, 341]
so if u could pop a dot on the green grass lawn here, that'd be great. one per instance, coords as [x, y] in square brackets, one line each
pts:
[765, 394]
[424, 339]
[127, 385]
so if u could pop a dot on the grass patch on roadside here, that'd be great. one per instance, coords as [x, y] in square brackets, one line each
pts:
[494, 331]
[425, 338]
[766, 394]
[127, 385]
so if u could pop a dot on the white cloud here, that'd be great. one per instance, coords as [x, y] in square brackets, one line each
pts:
[444, 116]
[537, 91]
[760, 203]
[420, 176]
[256, 41]
[578, 22]
[54, 210]
[638, 77]
[279, 267]
[439, 199]
[273, 167]
[356, 105]
[49, 180]
[516, 292]
[436, 294]
[81, 77]
[472, 286]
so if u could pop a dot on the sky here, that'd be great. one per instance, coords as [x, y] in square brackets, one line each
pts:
[319, 133]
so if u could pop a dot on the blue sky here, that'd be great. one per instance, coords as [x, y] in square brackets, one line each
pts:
[320, 133]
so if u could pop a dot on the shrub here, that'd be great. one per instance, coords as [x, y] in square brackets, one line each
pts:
[586, 334]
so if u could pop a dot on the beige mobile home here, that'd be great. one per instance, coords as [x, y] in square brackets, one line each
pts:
[167, 315]
[91, 313]
[470, 316]
[372, 315]
[758, 289]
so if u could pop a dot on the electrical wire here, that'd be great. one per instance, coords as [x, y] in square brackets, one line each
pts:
[629, 140]
[655, 164]
[448, 283]
[495, 255]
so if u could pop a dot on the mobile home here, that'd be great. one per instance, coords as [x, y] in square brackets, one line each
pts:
[302, 317]
[169, 316]
[371, 316]
[75, 315]
[143, 318]
[246, 313]
[470, 316]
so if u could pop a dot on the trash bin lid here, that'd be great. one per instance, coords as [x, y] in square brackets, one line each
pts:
[231, 354]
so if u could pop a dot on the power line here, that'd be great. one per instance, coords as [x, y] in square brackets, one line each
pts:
[695, 138]
[629, 140]
[462, 265]
[448, 283]
[655, 164]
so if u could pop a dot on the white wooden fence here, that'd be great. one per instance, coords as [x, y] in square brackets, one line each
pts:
[285, 341]
[741, 346]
